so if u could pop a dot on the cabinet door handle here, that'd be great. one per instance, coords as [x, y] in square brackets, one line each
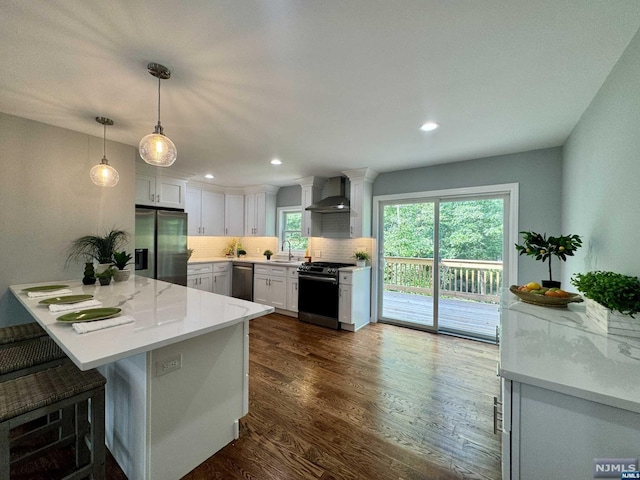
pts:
[226, 231]
[497, 334]
[497, 415]
[203, 230]
[158, 198]
[153, 197]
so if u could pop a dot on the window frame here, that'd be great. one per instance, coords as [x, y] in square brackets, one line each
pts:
[282, 211]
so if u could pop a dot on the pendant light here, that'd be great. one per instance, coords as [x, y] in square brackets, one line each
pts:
[155, 148]
[103, 174]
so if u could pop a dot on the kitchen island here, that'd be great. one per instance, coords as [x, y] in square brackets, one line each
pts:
[177, 377]
[571, 392]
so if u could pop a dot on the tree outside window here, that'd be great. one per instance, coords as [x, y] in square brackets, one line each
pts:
[291, 230]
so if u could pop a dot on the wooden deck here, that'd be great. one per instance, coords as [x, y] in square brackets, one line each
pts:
[460, 316]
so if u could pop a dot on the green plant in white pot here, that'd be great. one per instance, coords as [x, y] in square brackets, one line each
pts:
[361, 258]
[121, 260]
[607, 293]
[99, 247]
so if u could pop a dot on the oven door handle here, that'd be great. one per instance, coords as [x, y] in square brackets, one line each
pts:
[316, 278]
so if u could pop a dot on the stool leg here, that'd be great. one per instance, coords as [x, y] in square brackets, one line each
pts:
[83, 455]
[5, 457]
[97, 434]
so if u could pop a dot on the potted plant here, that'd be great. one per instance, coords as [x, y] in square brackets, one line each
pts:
[230, 250]
[544, 248]
[241, 252]
[121, 260]
[267, 253]
[361, 258]
[607, 293]
[89, 274]
[104, 277]
[100, 248]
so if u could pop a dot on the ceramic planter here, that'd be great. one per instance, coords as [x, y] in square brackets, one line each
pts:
[610, 322]
[121, 275]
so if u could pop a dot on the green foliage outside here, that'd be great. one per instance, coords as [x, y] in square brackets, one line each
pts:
[470, 230]
[293, 231]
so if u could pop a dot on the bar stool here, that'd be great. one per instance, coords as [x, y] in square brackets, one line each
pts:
[19, 333]
[23, 358]
[33, 396]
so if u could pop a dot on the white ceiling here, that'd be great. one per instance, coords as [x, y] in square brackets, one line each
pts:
[324, 85]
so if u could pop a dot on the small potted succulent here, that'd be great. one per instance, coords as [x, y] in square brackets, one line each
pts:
[121, 260]
[361, 258]
[241, 252]
[104, 277]
[267, 253]
[545, 248]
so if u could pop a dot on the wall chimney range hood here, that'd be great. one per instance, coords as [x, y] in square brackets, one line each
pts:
[335, 201]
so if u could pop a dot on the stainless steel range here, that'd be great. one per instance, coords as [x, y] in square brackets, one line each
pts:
[318, 293]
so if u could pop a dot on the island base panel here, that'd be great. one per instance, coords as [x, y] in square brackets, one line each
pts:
[181, 418]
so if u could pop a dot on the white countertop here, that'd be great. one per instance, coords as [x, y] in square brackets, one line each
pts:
[163, 314]
[561, 349]
[282, 263]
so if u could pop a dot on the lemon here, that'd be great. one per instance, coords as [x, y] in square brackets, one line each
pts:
[533, 286]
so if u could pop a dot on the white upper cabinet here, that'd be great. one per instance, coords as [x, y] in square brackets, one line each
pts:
[260, 213]
[206, 212]
[361, 201]
[160, 190]
[233, 215]
[311, 193]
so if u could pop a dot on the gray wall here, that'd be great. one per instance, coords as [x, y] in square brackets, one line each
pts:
[538, 173]
[600, 192]
[290, 196]
[48, 200]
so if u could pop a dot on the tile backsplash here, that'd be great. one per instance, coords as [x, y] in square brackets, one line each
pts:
[320, 249]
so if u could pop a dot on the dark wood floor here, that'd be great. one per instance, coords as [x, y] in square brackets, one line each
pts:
[382, 403]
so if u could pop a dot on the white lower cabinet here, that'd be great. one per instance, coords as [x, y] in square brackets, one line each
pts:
[270, 285]
[222, 278]
[554, 435]
[292, 289]
[354, 298]
[200, 276]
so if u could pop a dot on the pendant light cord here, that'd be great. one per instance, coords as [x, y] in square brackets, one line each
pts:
[104, 142]
[158, 101]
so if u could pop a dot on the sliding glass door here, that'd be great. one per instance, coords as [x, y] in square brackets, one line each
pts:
[441, 263]
[408, 248]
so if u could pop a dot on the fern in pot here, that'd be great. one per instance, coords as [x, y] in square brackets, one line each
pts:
[612, 300]
[99, 247]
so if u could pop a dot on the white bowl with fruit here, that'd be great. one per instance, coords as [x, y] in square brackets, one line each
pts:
[536, 294]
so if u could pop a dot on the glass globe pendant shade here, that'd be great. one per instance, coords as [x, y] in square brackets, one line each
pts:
[104, 175]
[157, 149]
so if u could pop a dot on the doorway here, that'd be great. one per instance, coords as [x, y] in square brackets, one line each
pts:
[443, 259]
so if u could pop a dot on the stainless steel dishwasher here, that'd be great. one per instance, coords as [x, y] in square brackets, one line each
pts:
[242, 281]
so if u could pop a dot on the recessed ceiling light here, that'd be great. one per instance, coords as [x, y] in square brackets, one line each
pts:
[429, 126]
[276, 161]
[208, 175]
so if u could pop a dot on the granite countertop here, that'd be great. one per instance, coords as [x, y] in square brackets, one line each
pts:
[163, 313]
[560, 349]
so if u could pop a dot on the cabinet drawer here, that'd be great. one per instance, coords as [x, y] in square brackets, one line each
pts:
[199, 268]
[293, 272]
[221, 267]
[346, 278]
[269, 270]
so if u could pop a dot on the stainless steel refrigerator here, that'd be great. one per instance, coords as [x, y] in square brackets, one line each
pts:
[161, 245]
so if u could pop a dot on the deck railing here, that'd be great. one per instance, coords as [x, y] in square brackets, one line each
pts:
[471, 279]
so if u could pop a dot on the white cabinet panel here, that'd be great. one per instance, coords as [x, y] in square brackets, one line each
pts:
[206, 212]
[270, 286]
[160, 191]
[260, 214]
[292, 289]
[354, 298]
[234, 215]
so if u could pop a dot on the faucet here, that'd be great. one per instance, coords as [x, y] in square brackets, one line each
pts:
[290, 255]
